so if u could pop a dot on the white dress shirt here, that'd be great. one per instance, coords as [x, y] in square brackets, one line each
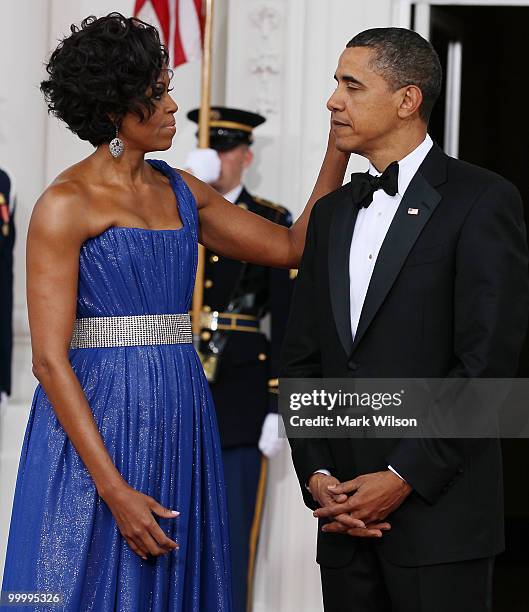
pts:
[232, 195]
[371, 227]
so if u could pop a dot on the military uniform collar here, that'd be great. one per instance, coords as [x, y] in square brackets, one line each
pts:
[233, 195]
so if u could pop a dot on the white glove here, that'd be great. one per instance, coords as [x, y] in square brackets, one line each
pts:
[270, 443]
[204, 164]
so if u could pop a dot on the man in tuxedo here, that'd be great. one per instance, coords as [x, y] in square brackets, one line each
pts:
[416, 269]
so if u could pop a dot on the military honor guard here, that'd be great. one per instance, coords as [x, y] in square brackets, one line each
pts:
[240, 361]
[7, 242]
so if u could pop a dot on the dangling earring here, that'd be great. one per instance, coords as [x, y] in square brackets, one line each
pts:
[116, 145]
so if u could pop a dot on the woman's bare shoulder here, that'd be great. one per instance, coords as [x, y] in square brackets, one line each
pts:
[200, 190]
[64, 206]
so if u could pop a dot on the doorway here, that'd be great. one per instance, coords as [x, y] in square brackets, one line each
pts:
[483, 118]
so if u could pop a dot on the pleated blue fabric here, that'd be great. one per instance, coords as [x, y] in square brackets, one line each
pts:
[154, 410]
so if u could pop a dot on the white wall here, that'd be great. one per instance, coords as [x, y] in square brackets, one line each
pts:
[274, 56]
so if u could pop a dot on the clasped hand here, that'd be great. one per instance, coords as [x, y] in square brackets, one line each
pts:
[358, 507]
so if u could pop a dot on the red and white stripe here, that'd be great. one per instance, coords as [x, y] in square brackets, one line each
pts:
[180, 23]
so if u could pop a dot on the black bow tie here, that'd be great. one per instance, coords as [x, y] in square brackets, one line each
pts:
[363, 185]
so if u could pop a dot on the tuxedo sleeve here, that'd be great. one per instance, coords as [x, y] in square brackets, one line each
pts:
[281, 284]
[301, 358]
[491, 305]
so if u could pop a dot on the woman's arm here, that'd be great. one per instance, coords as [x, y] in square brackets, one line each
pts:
[57, 230]
[240, 234]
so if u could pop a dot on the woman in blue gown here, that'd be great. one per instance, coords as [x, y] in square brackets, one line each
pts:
[119, 501]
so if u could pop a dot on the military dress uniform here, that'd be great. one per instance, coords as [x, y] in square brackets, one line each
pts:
[7, 242]
[240, 361]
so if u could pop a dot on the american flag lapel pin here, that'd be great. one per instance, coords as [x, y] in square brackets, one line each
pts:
[413, 211]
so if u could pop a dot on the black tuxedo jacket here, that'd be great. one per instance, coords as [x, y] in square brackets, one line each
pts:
[449, 297]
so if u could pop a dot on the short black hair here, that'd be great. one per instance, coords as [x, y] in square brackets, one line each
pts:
[404, 57]
[101, 70]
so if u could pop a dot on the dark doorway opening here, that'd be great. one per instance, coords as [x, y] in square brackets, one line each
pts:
[494, 133]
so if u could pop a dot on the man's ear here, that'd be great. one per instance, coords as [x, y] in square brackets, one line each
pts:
[411, 100]
[248, 157]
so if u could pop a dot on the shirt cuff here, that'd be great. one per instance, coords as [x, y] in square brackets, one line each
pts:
[395, 472]
[320, 471]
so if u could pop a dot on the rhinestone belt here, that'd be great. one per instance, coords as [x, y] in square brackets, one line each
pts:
[92, 332]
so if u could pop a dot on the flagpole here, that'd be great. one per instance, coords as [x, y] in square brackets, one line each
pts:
[203, 143]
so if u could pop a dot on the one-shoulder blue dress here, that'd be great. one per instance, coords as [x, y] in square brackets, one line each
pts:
[154, 410]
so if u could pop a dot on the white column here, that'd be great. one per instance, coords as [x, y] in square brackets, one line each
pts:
[23, 44]
[282, 55]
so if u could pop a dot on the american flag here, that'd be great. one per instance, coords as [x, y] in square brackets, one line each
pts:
[180, 23]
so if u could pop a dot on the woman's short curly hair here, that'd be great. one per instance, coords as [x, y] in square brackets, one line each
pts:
[101, 70]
